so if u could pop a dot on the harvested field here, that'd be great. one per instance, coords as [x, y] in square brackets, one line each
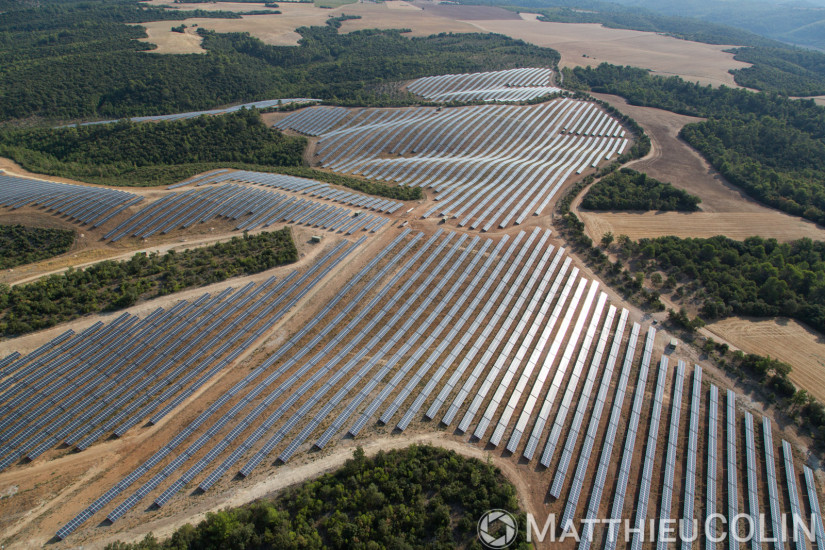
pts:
[279, 30]
[468, 13]
[734, 225]
[591, 44]
[725, 209]
[579, 44]
[173, 42]
[783, 339]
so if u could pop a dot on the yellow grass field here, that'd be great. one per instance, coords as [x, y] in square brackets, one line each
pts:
[782, 339]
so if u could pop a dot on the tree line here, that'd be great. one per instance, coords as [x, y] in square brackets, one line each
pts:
[112, 285]
[770, 146]
[418, 497]
[631, 190]
[24, 245]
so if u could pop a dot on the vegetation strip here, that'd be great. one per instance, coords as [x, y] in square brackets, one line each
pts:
[112, 285]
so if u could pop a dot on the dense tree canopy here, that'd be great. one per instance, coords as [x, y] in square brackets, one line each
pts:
[631, 190]
[758, 277]
[772, 147]
[136, 153]
[419, 497]
[24, 245]
[114, 285]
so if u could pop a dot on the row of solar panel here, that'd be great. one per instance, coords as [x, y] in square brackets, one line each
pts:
[314, 121]
[265, 104]
[88, 205]
[298, 290]
[455, 86]
[481, 181]
[196, 179]
[236, 202]
[313, 188]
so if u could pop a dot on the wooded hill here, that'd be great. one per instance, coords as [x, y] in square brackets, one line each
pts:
[418, 497]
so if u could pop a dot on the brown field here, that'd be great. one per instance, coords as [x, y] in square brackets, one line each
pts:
[725, 209]
[783, 339]
[579, 44]
[734, 225]
[592, 44]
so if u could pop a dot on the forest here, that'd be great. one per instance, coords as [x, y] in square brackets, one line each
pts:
[770, 146]
[140, 153]
[758, 277]
[112, 285]
[785, 71]
[418, 497]
[24, 245]
[631, 190]
[81, 60]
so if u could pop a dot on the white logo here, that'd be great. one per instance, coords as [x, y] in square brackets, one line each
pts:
[497, 529]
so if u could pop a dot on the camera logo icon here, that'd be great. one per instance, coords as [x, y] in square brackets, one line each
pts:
[497, 529]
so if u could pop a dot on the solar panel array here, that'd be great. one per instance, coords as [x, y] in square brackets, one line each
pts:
[87, 205]
[112, 376]
[309, 187]
[630, 436]
[401, 336]
[605, 460]
[793, 494]
[265, 104]
[313, 121]
[510, 85]
[490, 166]
[665, 509]
[646, 480]
[250, 207]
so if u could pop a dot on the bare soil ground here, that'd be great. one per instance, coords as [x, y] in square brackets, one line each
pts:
[725, 209]
[783, 339]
